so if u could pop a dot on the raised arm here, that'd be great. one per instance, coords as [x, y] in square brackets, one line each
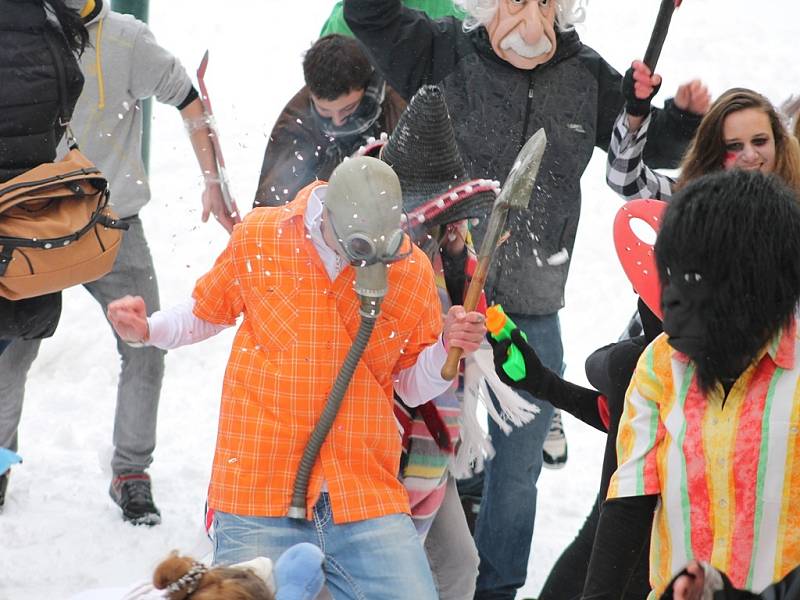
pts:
[409, 48]
[626, 172]
[671, 128]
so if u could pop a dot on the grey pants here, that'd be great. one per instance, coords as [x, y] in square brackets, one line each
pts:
[451, 551]
[142, 368]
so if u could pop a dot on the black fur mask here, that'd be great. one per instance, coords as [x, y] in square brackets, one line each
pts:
[728, 257]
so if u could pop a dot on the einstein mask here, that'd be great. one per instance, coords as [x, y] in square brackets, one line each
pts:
[523, 32]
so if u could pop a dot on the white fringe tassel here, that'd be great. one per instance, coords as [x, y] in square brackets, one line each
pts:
[476, 446]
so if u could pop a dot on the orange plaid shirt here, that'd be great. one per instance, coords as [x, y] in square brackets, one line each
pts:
[297, 329]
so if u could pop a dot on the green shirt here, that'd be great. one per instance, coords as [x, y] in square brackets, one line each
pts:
[435, 9]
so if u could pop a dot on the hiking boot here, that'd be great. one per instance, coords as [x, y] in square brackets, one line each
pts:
[132, 493]
[554, 450]
[3, 487]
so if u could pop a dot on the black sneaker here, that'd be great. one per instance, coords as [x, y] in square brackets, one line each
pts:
[132, 493]
[3, 487]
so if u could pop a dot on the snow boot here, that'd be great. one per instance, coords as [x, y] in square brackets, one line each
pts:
[133, 494]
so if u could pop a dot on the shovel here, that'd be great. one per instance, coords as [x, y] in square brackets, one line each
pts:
[516, 193]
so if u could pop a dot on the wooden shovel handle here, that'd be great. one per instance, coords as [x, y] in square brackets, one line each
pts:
[450, 368]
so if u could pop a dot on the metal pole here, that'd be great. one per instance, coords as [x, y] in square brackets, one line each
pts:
[139, 9]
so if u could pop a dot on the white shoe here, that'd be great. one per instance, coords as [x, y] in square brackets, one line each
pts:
[554, 450]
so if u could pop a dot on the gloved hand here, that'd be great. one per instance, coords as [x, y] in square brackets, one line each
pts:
[535, 371]
[541, 382]
[639, 87]
[298, 573]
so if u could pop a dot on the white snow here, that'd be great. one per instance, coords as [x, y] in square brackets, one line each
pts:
[60, 533]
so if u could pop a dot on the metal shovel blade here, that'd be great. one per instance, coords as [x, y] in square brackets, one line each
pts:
[516, 191]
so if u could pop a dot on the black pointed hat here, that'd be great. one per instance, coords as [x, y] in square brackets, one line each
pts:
[422, 151]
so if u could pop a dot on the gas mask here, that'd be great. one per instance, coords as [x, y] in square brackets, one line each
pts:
[522, 32]
[363, 206]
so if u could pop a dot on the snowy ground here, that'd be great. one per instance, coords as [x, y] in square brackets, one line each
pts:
[60, 533]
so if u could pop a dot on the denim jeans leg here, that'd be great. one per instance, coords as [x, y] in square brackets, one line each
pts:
[508, 508]
[376, 558]
[142, 370]
[15, 362]
[239, 538]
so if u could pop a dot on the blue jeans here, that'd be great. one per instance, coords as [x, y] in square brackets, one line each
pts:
[4, 344]
[505, 522]
[376, 558]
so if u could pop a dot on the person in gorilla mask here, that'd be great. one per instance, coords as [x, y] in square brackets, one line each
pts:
[710, 426]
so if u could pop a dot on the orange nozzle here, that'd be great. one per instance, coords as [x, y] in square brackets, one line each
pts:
[495, 319]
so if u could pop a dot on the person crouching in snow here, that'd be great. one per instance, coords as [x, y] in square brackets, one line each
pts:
[289, 272]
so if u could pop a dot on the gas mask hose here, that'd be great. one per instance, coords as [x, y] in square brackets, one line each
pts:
[370, 308]
[362, 206]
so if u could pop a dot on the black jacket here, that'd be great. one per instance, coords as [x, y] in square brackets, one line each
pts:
[29, 129]
[495, 108]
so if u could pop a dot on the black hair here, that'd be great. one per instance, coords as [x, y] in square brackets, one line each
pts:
[336, 65]
[741, 231]
[71, 24]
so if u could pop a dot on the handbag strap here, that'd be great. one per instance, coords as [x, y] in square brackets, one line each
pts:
[98, 216]
[61, 76]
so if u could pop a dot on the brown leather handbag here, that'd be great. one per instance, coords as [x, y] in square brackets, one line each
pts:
[56, 229]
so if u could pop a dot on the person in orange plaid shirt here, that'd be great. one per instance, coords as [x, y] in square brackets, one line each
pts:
[709, 441]
[289, 272]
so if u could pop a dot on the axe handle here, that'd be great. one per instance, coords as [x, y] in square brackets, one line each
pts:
[659, 34]
[450, 368]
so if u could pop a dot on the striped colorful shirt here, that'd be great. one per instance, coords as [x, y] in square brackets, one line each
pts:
[726, 469]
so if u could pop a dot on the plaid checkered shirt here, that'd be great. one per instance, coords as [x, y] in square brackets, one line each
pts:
[626, 172]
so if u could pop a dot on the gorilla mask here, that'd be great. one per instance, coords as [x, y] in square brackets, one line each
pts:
[728, 257]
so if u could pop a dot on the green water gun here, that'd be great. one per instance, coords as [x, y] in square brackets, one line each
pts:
[500, 327]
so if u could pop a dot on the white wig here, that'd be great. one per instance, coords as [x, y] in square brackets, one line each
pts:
[481, 12]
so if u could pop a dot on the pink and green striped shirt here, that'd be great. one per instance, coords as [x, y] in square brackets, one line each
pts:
[728, 477]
